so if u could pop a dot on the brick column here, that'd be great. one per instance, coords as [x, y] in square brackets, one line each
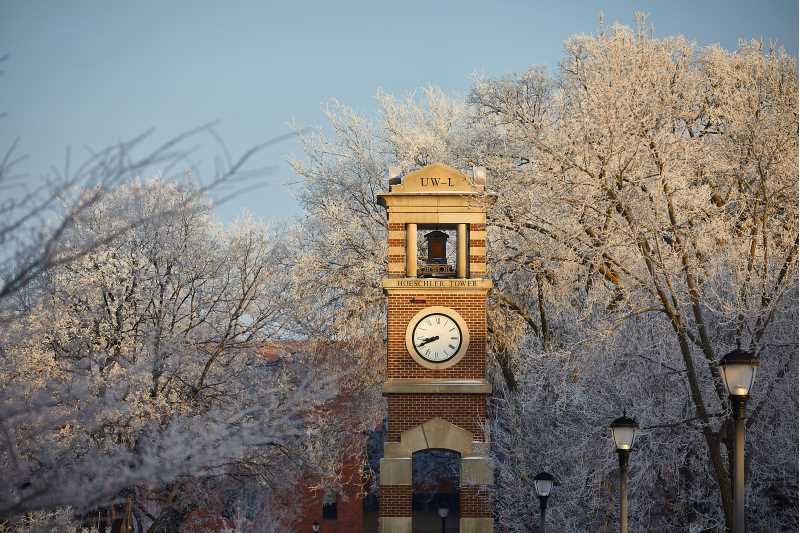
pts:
[477, 250]
[397, 250]
[475, 495]
[395, 496]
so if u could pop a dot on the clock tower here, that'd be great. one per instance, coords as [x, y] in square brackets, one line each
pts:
[436, 385]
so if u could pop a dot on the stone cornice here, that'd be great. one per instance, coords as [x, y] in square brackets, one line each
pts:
[452, 386]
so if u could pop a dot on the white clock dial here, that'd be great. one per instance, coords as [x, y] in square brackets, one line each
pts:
[436, 337]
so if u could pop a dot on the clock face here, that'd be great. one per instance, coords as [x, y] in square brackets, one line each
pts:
[436, 337]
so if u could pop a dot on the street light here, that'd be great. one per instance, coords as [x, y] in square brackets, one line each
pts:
[315, 527]
[443, 512]
[738, 373]
[543, 483]
[623, 429]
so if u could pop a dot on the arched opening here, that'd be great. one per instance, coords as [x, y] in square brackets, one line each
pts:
[435, 480]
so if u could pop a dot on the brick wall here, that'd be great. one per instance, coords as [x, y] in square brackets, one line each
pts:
[407, 411]
[401, 309]
[474, 502]
[395, 500]
[306, 503]
[350, 511]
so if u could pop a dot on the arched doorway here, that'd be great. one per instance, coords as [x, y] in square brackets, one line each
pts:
[474, 477]
[435, 480]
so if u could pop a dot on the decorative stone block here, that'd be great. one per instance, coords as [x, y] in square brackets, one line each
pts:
[414, 439]
[442, 434]
[480, 449]
[476, 471]
[395, 449]
[437, 433]
[395, 524]
[475, 525]
[396, 471]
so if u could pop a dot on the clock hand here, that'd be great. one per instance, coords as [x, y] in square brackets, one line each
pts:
[426, 341]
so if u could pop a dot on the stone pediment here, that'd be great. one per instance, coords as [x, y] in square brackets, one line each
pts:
[437, 178]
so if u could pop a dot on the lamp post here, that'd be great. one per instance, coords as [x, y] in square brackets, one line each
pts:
[543, 483]
[315, 527]
[623, 429]
[738, 372]
[443, 512]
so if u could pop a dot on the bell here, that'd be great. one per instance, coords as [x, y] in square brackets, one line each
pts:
[437, 247]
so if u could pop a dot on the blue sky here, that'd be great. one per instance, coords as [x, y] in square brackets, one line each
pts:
[92, 72]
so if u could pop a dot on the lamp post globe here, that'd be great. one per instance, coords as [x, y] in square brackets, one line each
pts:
[543, 483]
[739, 372]
[315, 527]
[443, 512]
[738, 369]
[623, 430]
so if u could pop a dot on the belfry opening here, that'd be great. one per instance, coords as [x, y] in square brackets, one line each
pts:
[436, 251]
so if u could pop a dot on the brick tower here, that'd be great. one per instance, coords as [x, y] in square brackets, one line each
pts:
[436, 377]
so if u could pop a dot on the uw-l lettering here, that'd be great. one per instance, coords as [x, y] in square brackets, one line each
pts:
[436, 182]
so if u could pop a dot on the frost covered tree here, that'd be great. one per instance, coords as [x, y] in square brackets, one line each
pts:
[646, 224]
[37, 211]
[660, 186]
[137, 370]
[130, 333]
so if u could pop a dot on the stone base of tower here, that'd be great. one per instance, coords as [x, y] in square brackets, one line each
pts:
[396, 524]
